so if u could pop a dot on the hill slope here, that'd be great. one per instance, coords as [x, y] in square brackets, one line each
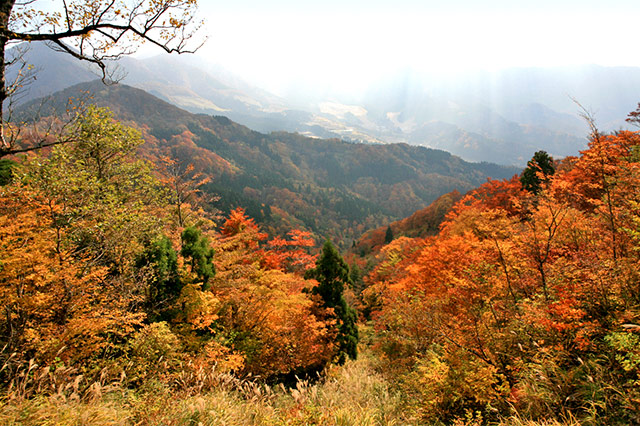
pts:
[287, 180]
[423, 223]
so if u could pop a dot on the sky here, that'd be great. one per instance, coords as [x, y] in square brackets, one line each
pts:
[284, 44]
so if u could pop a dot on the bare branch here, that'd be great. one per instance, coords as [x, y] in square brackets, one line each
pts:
[95, 32]
[66, 12]
[589, 117]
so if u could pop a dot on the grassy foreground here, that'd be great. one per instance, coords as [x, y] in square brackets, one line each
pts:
[353, 394]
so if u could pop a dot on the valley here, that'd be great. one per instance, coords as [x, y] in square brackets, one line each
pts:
[501, 117]
[411, 215]
[333, 188]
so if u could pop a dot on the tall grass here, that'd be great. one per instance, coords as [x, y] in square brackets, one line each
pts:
[350, 395]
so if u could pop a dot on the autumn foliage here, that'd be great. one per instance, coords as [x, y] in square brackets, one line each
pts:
[108, 266]
[524, 301]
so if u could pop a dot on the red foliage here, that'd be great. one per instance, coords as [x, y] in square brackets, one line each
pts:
[289, 255]
[237, 222]
[494, 194]
[515, 277]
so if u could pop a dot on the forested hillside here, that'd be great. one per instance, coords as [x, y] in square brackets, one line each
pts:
[106, 273]
[168, 267]
[124, 303]
[283, 180]
[425, 222]
[526, 301]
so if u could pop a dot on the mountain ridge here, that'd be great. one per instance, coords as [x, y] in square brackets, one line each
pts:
[287, 180]
[502, 117]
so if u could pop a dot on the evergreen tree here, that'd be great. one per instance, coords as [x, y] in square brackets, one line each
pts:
[541, 163]
[5, 171]
[332, 274]
[388, 236]
[357, 279]
[197, 248]
[165, 285]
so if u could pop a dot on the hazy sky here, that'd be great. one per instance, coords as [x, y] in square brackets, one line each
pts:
[349, 43]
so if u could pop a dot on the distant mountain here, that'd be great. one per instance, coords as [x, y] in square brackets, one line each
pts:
[184, 81]
[196, 90]
[51, 70]
[501, 117]
[414, 111]
[538, 115]
[609, 92]
[287, 180]
[504, 115]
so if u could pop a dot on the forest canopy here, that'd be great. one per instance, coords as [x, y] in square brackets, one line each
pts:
[100, 266]
[519, 300]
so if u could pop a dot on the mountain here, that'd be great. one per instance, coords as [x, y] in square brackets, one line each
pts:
[286, 180]
[444, 115]
[503, 116]
[165, 76]
[50, 71]
[402, 110]
[184, 81]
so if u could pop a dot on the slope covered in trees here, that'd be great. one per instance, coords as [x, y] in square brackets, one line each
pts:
[526, 301]
[100, 277]
[425, 222]
[286, 180]
[118, 289]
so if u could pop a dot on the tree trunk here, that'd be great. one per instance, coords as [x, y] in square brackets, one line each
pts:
[5, 13]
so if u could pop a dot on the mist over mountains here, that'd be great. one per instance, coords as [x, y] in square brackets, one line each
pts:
[502, 117]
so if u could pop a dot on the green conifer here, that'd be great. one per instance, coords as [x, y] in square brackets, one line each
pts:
[388, 236]
[537, 172]
[332, 274]
[165, 285]
[197, 248]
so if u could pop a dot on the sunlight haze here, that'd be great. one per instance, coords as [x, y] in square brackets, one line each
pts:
[346, 45]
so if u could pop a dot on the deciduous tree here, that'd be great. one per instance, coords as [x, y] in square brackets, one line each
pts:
[110, 202]
[96, 31]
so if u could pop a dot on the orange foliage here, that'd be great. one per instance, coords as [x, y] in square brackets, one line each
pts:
[494, 194]
[275, 325]
[422, 223]
[183, 184]
[289, 255]
[55, 304]
[239, 222]
[514, 275]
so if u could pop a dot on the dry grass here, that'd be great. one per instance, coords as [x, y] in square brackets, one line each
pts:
[350, 395]
[516, 421]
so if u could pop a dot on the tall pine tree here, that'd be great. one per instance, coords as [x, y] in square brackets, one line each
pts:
[538, 171]
[161, 260]
[196, 247]
[332, 274]
[388, 236]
